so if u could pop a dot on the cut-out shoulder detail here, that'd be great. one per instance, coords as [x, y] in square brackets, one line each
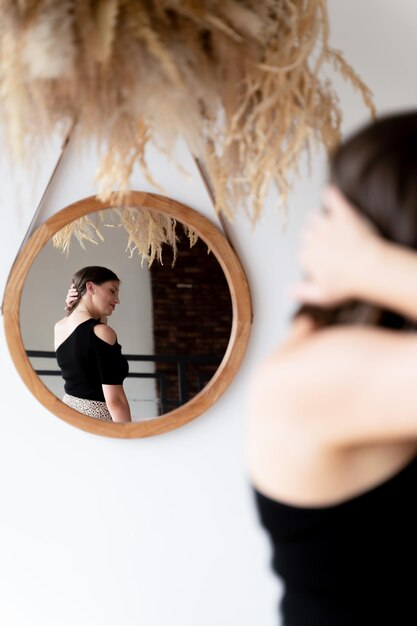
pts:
[105, 333]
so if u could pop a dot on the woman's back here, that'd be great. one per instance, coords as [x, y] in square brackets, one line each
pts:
[66, 326]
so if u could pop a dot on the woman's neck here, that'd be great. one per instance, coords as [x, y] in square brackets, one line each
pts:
[85, 308]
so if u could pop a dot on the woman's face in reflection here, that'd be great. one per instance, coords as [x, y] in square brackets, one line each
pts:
[106, 297]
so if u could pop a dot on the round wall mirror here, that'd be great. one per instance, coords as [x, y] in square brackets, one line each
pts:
[183, 322]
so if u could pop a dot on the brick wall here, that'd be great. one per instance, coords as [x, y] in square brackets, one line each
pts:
[192, 313]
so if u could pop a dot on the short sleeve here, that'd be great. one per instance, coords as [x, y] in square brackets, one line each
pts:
[112, 365]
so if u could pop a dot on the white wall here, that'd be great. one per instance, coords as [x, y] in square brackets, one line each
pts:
[162, 531]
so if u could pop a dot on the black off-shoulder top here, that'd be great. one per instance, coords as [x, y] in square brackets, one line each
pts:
[348, 564]
[87, 362]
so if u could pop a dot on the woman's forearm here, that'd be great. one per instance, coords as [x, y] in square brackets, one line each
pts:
[344, 258]
[390, 279]
[119, 409]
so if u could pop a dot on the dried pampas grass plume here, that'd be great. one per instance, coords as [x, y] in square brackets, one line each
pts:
[44, 59]
[83, 229]
[105, 16]
[242, 81]
[148, 232]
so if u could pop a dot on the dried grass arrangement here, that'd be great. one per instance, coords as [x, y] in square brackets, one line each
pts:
[148, 232]
[241, 80]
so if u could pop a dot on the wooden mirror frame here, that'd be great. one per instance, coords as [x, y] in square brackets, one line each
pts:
[241, 324]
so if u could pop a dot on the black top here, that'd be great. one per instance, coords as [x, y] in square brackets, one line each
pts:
[349, 564]
[87, 362]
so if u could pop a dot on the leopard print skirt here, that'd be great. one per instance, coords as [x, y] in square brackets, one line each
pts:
[92, 408]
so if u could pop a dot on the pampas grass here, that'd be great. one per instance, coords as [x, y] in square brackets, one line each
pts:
[242, 81]
[83, 229]
[148, 232]
[50, 24]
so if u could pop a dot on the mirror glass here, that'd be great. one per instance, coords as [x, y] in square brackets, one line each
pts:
[173, 321]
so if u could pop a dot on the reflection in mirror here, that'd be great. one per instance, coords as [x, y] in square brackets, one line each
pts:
[173, 322]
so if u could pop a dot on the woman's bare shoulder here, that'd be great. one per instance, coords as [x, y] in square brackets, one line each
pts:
[60, 330]
[61, 323]
[346, 384]
[335, 341]
[106, 333]
[332, 360]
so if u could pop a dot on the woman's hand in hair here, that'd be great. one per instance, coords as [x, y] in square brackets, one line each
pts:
[337, 247]
[72, 296]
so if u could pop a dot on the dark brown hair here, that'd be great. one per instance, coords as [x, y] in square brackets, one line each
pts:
[94, 273]
[376, 170]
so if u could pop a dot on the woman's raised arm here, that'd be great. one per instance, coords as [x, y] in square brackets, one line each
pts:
[344, 258]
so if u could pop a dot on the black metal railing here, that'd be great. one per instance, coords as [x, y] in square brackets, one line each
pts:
[181, 362]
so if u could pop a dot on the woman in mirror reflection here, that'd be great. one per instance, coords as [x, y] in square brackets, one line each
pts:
[333, 411]
[87, 349]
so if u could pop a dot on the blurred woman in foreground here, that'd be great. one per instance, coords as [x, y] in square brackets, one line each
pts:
[333, 412]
